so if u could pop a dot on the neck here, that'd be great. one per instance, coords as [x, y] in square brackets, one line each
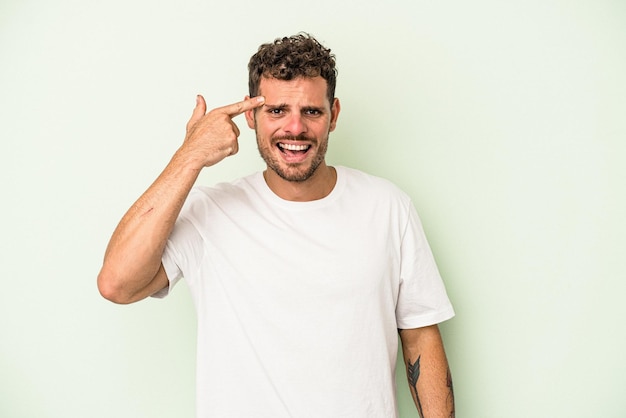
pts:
[316, 187]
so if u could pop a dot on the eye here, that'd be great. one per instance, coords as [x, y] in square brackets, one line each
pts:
[312, 112]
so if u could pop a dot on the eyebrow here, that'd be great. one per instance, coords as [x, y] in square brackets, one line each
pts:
[277, 106]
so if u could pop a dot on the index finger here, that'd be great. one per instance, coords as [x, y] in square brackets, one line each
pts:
[241, 107]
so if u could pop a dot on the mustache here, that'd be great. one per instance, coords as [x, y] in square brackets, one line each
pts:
[301, 137]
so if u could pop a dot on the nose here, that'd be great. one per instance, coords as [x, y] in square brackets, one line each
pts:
[294, 125]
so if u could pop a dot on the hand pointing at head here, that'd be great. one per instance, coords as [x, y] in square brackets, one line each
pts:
[212, 136]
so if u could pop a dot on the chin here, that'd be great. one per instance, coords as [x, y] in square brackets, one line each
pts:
[295, 175]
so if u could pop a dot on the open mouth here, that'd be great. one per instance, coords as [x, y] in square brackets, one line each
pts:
[293, 148]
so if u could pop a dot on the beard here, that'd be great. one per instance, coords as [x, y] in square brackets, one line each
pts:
[294, 172]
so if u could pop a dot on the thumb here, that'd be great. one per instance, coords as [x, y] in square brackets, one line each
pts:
[198, 111]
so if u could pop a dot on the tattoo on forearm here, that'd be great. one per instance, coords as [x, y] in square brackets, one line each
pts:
[450, 397]
[413, 374]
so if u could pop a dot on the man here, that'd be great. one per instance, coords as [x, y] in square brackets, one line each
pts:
[301, 275]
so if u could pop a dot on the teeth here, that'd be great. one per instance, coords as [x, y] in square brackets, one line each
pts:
[293, 147]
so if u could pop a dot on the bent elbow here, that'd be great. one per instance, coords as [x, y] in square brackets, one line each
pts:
[110, 288]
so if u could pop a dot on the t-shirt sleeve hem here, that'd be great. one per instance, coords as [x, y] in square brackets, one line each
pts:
[173, 276]
[427, 320]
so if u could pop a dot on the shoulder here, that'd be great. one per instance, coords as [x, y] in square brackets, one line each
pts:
[222, 195]
[234, 188]
[375, 187]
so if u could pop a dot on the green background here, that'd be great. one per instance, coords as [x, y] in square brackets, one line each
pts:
[504, 121]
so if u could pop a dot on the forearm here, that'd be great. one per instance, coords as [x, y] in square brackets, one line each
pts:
[133, 256]
[428, 373]
[132, 263]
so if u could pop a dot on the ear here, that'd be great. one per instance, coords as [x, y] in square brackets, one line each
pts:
[250, 116]
[334, 114]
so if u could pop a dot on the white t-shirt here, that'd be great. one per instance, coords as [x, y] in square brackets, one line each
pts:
[299, 303]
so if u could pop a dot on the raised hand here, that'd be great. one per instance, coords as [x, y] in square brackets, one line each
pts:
[212, 136]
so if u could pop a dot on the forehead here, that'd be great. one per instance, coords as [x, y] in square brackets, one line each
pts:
[309, 90]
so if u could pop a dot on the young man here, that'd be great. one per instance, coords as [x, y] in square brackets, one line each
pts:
[301, 275]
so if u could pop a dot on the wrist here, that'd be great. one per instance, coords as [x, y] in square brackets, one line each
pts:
[186, 161]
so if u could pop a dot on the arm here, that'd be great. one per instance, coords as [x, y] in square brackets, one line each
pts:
[132, 268]
[428, 373]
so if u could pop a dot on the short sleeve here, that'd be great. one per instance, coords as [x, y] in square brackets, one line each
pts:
[422, 298]
[184, 247]
[172, 271]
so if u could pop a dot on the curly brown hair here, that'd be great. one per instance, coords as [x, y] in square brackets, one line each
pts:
[291, 57]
